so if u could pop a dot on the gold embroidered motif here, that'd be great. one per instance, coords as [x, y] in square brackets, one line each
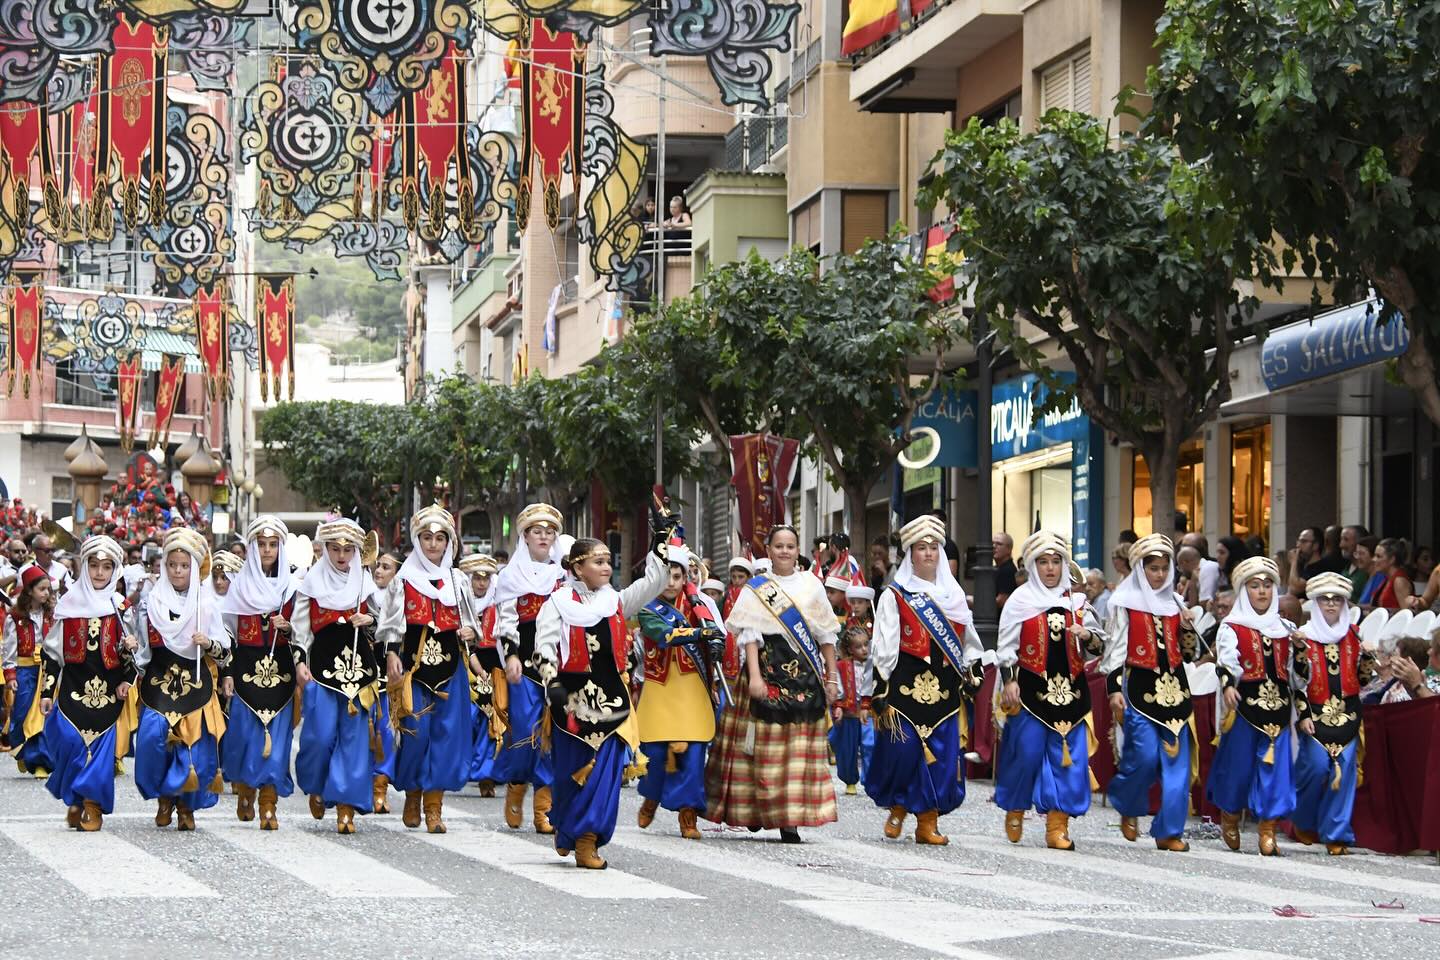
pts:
[175, 682]
[1268, 697]
[348, 673]
[1059, 692]
[1334, 714]
[1168, 692]
[94, 626]
[90, 736]
[484, 686]
[96, 694]
[590, 705]
[791, 669]
[267, 674]
[433, 654]
[926, 690]
[592, 643]
[1056, 623]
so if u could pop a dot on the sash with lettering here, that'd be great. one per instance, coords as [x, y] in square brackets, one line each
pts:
[925, 689]
[676, 620]
[941, 630]
[782, 608]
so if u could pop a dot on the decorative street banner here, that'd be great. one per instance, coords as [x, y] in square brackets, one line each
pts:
[552, 83]
[167, 393]
[734, 36]
[127, 400]
[212, 338]
[275, 315]
[132, 119]
[764, 468]
[194, 241]
[433, 123]
[35, 33]
[20, 127]
[27, 297]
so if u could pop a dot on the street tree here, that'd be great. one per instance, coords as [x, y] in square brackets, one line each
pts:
[1319, 120]
[1118, 252]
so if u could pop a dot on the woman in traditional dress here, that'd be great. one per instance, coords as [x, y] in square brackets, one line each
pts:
[27, 623]
[390, 601]
[260, 680]
[1260, 661]
[1043, 643]
[926, 657]
[89, 722]
[585, 655]
[520, 591]
[779, 778]
[429, 675]
[177, 744]
[331, 631]
[478, 614]
[1148, 645]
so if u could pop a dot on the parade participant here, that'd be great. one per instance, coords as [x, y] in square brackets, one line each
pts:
[177, 743]
[260, 679]
[835, 588]
[520, 591]
[94, 649]
[1327, 769]
[926, 657]
[1257, 663]
[27, 623]
[1145, 653]
[734, 716]
[490, 702]
[852, 735]
[390, 608]
[429, 675]
[334, 631]
[861, 600]
[713, 589]
[677, 716]
[740, 571]
[1043, 643]
[585, 654]
[223, 568]
[778, 778]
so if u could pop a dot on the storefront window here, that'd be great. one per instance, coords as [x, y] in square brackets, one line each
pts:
[1250, 481]
[1189, 490]
[1035, 492]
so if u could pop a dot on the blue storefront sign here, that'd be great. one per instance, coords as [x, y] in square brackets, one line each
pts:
[1013, 430]
[951, 415]
[1340, 340]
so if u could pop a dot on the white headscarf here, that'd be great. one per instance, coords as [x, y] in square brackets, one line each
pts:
[420, 573]
[1134, 592]
[252, 590]
[175, 616]
[1032, 597]
[946, 591]
[82, 600]
[1268, 623]
[335, 589]
[524, 575]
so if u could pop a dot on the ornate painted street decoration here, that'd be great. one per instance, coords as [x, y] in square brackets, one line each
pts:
[552, 83]
[616, 165]
[195, 241]
[736, 38]
[132, 122]
[275, 315]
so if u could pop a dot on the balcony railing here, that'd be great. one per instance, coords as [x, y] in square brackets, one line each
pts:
[754, 142]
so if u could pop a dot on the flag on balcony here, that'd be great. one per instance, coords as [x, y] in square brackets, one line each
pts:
[212, 336]
[20, 128]
[167, 395]
[127, 399]
[132, 122]
[763, 467]
[552, 80]
[937, 258]
[874, 20]
[433, 132]
[275, 310]
[26, 302]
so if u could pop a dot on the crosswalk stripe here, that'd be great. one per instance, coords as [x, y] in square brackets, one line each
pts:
[101, 865]
[1170, 876]
[1308, 870]
[943, 869]
[328, 865]
[538, 863]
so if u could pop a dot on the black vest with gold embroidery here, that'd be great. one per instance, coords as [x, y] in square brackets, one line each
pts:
[1156, 686]
[88, 691]
[172, 686]
[597, 698]
[264, 681]
[1057, 693]
[339, 659]
[795, 693]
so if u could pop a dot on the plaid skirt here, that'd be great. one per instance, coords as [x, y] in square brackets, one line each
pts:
[785, 782]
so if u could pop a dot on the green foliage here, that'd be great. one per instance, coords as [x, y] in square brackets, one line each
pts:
[1318, 120]
[1118, 251]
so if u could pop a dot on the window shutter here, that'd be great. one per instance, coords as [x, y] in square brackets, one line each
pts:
[1055, 88]
[862, 218]
[1080, 83]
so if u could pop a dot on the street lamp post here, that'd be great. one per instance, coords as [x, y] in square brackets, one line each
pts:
[987, 617]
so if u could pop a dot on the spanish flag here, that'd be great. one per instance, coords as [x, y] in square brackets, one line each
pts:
[937, 258]
[515, 58]
[873, 20]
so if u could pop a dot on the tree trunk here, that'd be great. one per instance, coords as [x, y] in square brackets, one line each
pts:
[857, 493]
[1164, 463]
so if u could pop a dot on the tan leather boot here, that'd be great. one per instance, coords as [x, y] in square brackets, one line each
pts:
[90, 817]
[1337, 849]
[1130, 828]
[927, 829]
[380, 794]
[164, 811]
[344, 818]
[541, 811]
[433, 800]
[1172, 844]
[1268, 846]
[1306, 837]
[410, 816]
[1230, 829]
[1014, 825]
[72, 816]
[487, 788]
[244, 803]
[269, 798]
[184, 817]
[688, 828]
[514, 805]
[646, 816]
[585, 856]
[895, 823]
[317, 806]
[1057, 831]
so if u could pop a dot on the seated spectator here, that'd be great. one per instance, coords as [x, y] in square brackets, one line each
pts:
[1411, 667]
[1228, 552]
[1220, 609]
[1291, 610]
[1120, 560]
[1374, 576]
[1390, 557]
[1424, 564]
[1098, 592]
[1432, 592]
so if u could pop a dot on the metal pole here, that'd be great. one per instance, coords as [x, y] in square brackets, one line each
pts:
[660, 208]
[987, 615]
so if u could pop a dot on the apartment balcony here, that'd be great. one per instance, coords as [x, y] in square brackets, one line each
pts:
[915, 70]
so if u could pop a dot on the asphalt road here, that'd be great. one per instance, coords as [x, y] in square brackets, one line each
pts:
[229, 890]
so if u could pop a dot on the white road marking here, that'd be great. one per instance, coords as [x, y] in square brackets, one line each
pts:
[101, 865]
[326, 864]
[539, 864]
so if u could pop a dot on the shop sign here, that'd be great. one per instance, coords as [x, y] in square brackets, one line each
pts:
[946, 421]
[1331, 343]
[1012, 427]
